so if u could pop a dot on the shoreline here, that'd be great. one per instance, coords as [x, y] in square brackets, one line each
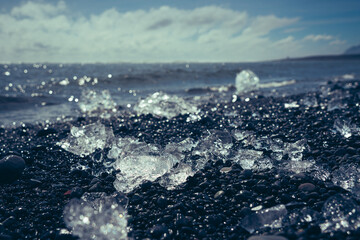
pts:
[32, 207]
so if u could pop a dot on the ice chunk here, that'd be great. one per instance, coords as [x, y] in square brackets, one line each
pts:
[93, 101]
[299, 166]
[176, 176]
[341, 213]
[240, 135]
[320, 172]
[137, 168]
[216, 143]
[249, 159]
[295, 150]
[270, 217]
[305, 215]
[310, 101]
[97, 218]
[246, 81]
[85, 140]
[163, 105]
[347, 177]
[345, 128]
[293, 104]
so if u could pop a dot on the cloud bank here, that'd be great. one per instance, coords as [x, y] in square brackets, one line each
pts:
[44, 32]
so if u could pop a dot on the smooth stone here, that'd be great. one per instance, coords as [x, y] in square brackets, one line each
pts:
[267, 237]
[11, 168]
[219, 193]
[307, 187]
[225, 169]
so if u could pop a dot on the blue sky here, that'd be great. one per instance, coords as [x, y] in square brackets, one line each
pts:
[167, 31]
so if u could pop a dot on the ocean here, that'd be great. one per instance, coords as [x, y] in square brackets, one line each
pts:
[36, 93]
[181, 150]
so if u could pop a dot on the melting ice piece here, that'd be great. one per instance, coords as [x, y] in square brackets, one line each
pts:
[347, 177]
[85, 140]
[299, 166]
[216, 143]
[341, 213]
[246, 81]
[241, 135]
[97, 218]
[251, 159]
[320, 172]
[305, 215]
[270, 217]
[292, 105]
[295, 150]
[137, 168]
[176, 176]
[163, 105]
[92, 101]
[310, 101]
[345, 128]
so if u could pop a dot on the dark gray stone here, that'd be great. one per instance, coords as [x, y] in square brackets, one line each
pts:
[11, 168]
[267, 237]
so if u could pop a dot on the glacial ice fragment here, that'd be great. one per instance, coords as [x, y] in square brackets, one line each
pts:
[101, 218]
[269, 217]
[93, 101]
[176, 176]
[347, 177]
[345, 128]
[246, 81]
[86, 139]
[163, 105]
[135, 169]
[293, 104]
[300, 216]
[248, 159]
[341, 213]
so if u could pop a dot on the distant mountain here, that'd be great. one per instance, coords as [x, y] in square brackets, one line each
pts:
[353, 50]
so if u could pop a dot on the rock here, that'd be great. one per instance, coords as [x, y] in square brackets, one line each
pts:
[11, 168]
[307, 187]
[267, 237]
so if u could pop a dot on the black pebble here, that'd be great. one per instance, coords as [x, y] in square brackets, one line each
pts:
[11, 168]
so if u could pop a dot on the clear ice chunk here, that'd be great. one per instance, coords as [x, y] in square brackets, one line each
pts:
[97, 218]
[345, 128]
[341, 213]
[136, 169]
[163, 105]
[215, 143]
[92, 101]
[348, 177]
[305, 215]
[295, 150]
[309, 101]
[176, 176]
[248, 159]
[240, 135]
[85, 140]
[246, 81]
[293, 104]
[269, 217]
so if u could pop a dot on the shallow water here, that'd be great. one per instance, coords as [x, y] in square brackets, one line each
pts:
[39, 92]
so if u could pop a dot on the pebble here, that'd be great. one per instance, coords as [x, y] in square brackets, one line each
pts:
[11, 168]
[225, 169]
[267, 237]
[219, 193]
[307, 187]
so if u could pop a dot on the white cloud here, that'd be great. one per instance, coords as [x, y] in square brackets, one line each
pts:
[338, 42]
[319, 37]
[36, 32]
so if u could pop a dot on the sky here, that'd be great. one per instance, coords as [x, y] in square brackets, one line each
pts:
[91, 31]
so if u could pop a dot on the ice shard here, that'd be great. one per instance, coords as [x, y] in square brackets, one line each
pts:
[341, 213]
[86, 139]
[270, 217]
[163, 105]
[246, 81]
[97, 217]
